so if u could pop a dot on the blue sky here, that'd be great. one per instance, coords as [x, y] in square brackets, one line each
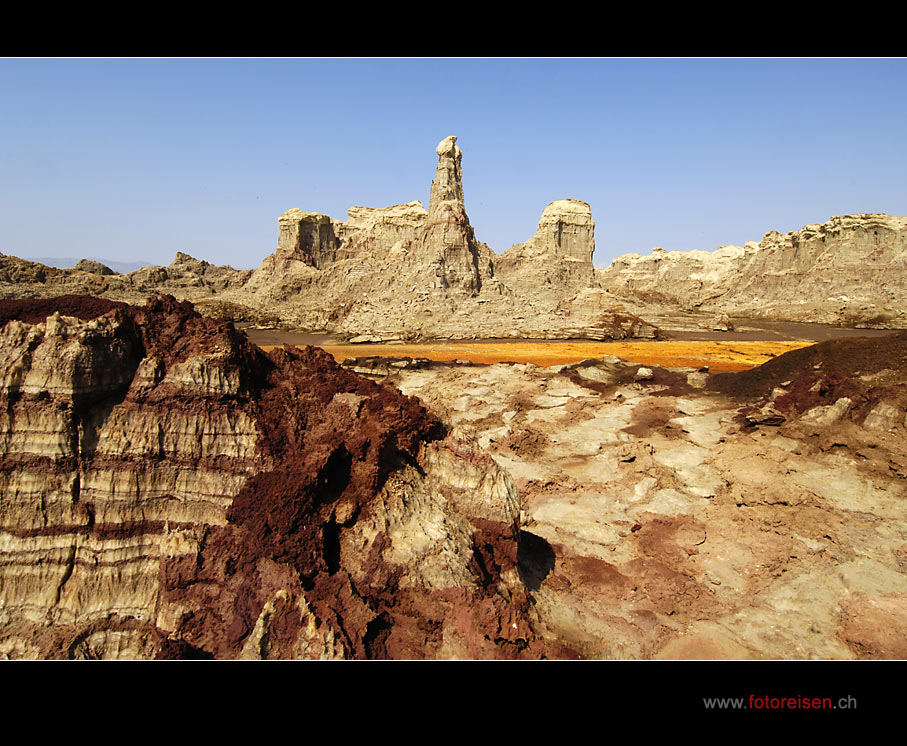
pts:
[139, 159]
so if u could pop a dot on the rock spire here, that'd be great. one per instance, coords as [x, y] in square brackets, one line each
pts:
[448, 183]
[448, 242]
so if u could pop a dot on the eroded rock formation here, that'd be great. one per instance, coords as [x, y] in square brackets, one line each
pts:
[406, 273]
[448, 241]
[170, 490]
[307, 237]
[557, 260]
[399, 272]
[851, 270]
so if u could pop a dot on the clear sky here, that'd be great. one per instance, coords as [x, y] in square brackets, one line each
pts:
[138, 159]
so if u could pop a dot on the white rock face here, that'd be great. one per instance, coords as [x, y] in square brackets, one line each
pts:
[379, 228]
[884, 416]
[556, 262]
[830, 414]
[722, 323]
[448, 242]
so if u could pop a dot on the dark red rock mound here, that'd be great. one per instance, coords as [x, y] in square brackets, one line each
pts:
[822, 373]
[325, 453]
[33, 310]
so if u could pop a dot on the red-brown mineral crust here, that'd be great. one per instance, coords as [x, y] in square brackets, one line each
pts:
[863, 372]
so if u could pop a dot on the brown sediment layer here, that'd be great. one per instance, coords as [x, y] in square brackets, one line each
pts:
[834, 365]
[102, 531]
[34, 310]
[128, 462]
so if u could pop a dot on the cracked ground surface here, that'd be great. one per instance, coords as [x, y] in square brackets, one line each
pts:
[658, 523]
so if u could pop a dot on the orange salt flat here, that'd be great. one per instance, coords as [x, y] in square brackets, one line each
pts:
[670, 354]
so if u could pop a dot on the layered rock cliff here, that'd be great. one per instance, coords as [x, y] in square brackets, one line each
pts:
[557, 260]
[169, 490]
[850, 270]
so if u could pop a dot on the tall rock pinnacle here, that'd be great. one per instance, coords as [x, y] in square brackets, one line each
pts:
[448, 183]
[448, 241]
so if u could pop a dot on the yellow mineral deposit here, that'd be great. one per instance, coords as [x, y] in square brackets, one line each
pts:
[670, 354]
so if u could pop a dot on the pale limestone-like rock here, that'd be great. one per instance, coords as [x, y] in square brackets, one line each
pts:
[75, 358]
[397, 225]
[884, 416]
[828, 415]
[558, 258]
[847, 270]
[448, 242]
[567, 227]
[448, 182]
[722, 323]
[307, 237]
[766, 416]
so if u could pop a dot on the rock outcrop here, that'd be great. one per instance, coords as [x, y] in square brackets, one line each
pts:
[169, 490]
[392, 226]
[89, 265]
[191, 279]
[557, 260]
[851, 270]
[566, 229]
[448, 242]
[307, 237]
[406, 273]
[403, 272]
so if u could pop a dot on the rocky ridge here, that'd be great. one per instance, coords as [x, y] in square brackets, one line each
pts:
[399, 272]
[169, 490]
[850, 270]
[406, 273]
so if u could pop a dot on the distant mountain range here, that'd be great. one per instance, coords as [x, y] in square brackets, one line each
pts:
[69, 263]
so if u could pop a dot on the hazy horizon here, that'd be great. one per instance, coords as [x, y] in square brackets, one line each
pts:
[134, 160]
